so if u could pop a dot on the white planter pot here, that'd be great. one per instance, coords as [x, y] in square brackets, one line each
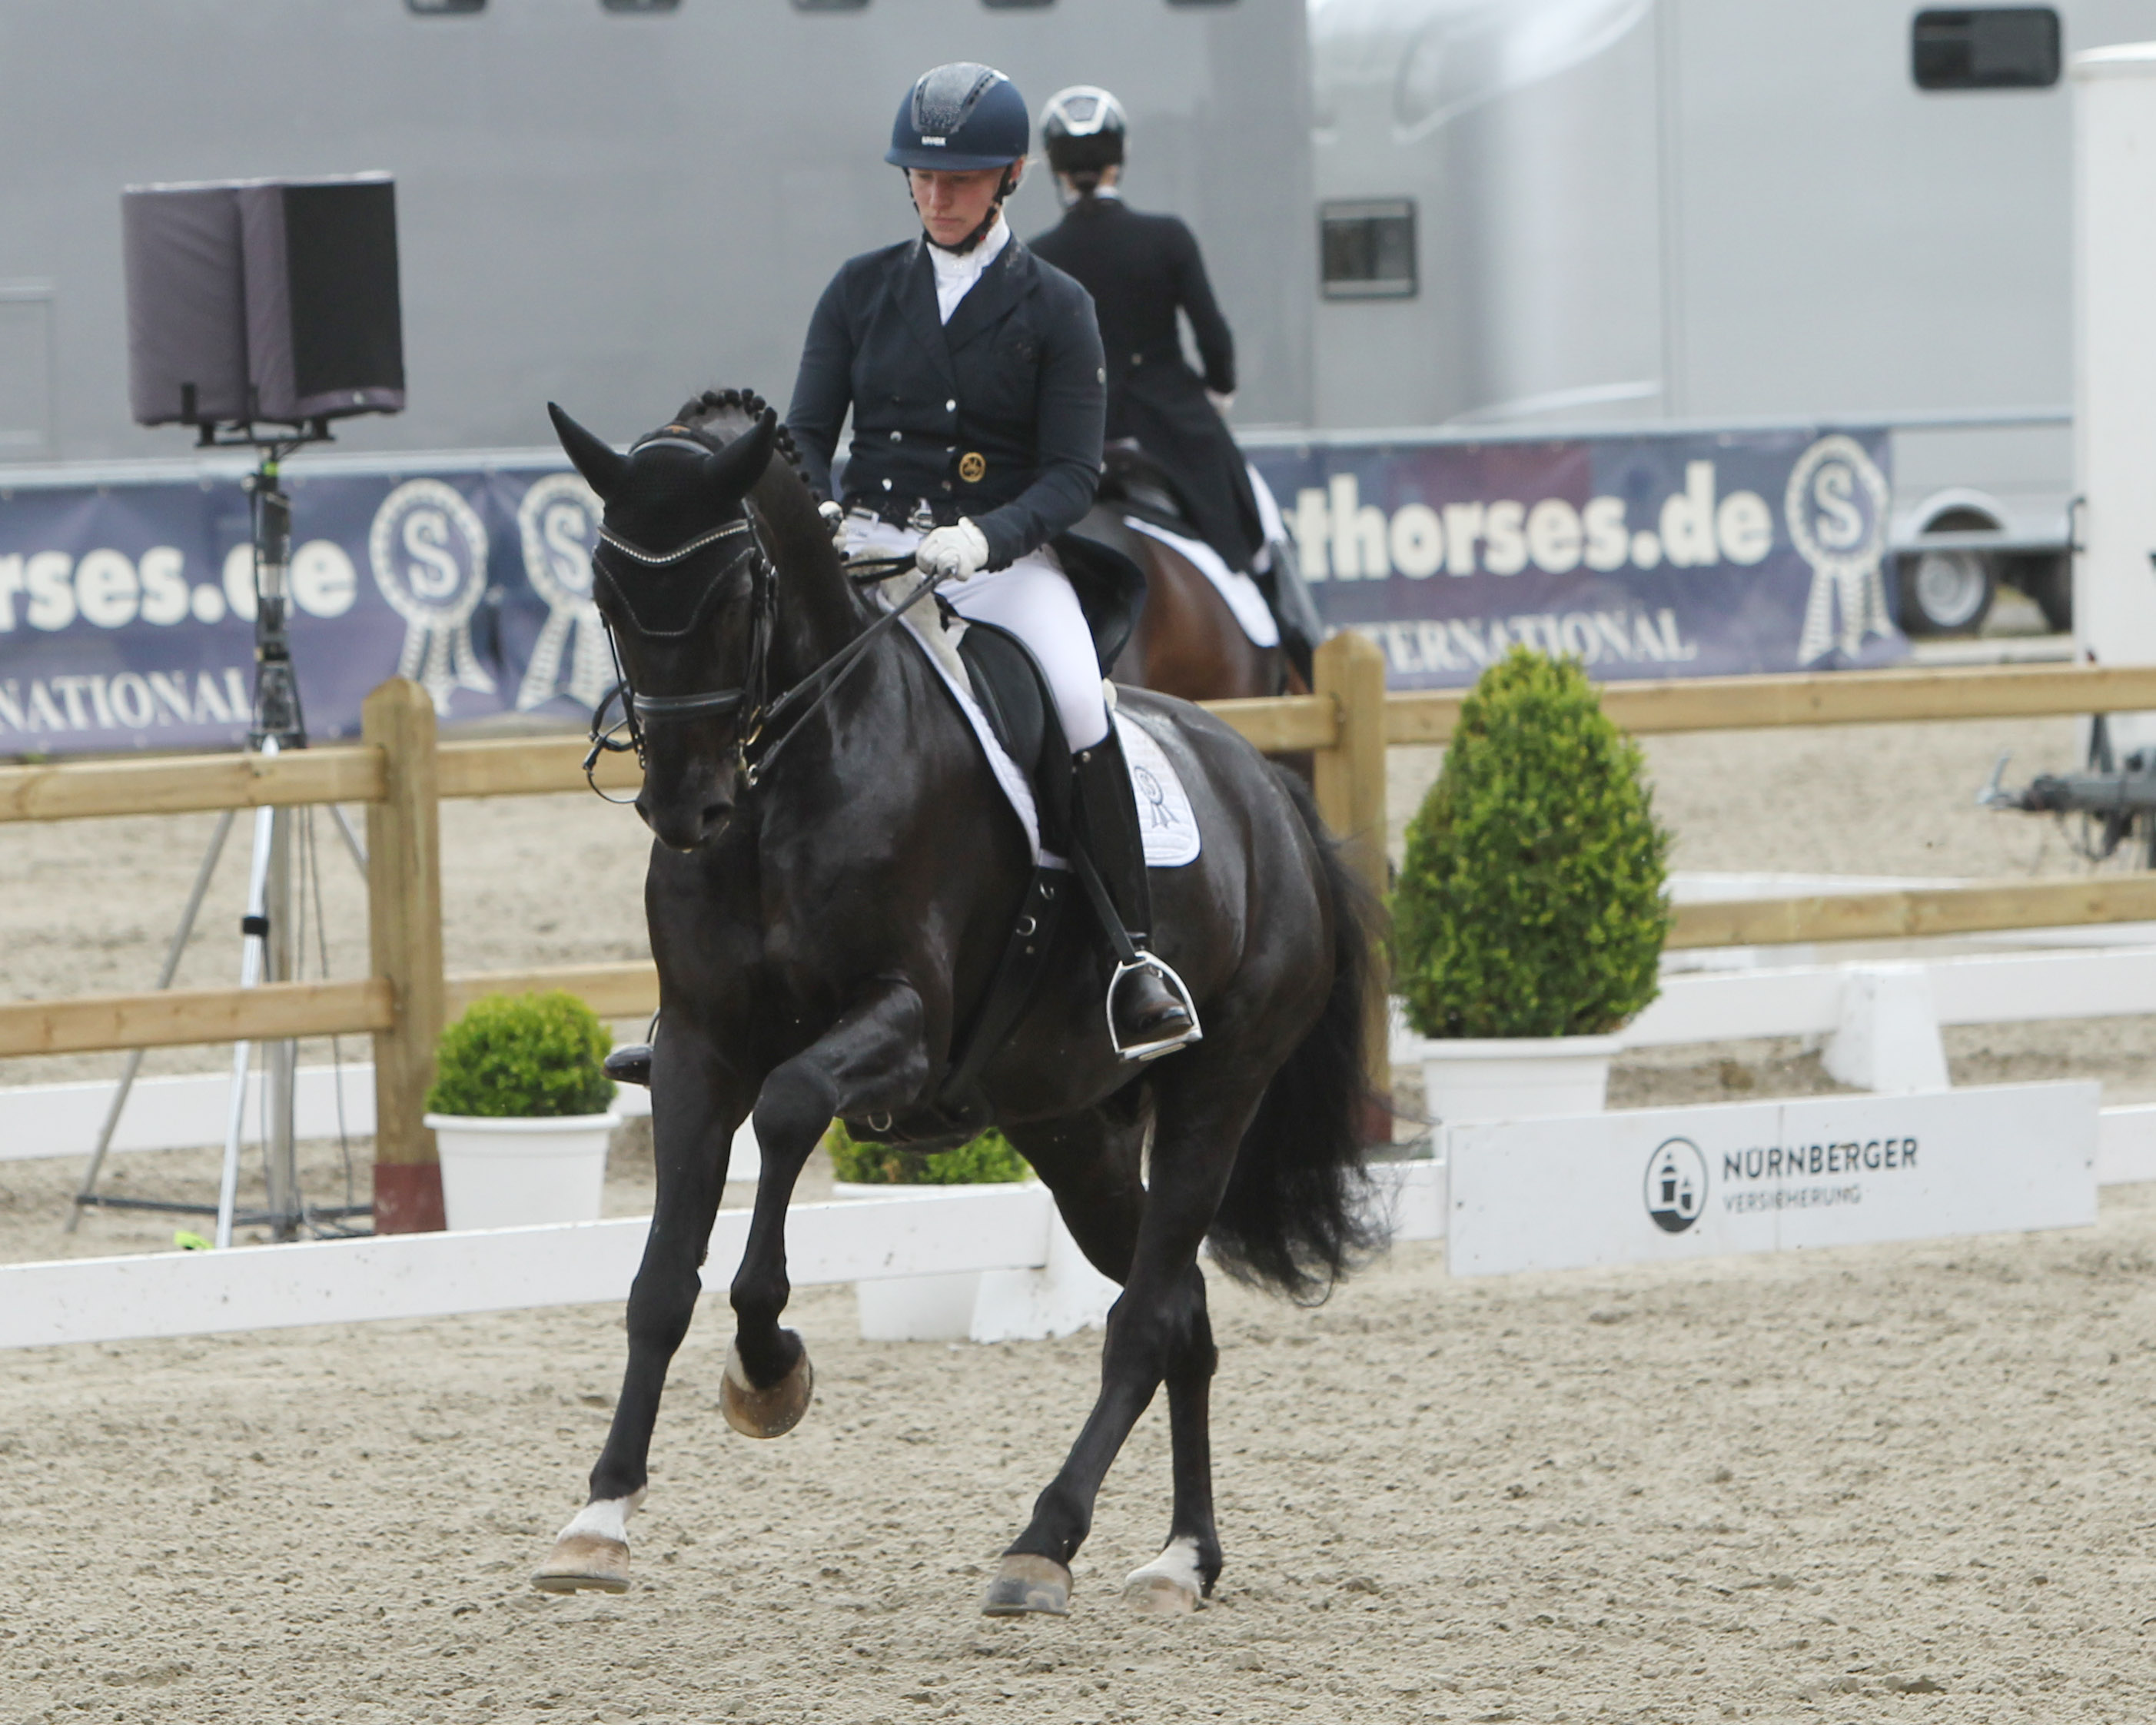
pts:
[915, 1308]
[1516, 1077]
[517, 1173]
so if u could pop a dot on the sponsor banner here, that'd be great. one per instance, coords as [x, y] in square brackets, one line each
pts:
[126, 612]
[1683, 555]
[1653, 1184]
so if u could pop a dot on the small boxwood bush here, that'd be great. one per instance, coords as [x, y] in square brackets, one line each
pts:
[1531, 902]
[987, 1159]
[514, 1056]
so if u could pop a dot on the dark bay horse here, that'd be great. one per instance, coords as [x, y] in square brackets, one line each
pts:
[1188, 643]
[829, 893]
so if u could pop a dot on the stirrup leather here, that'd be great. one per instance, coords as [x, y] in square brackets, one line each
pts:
[1140, 959]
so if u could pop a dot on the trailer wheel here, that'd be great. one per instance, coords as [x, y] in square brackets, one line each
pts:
[1946, 592]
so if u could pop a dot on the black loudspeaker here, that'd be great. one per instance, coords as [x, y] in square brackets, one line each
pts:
[263, 300]
[186, 304]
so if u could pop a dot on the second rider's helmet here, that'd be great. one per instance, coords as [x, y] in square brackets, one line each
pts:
[1082, 128]
[960, 117]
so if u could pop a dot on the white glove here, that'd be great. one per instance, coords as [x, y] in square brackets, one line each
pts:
[1221, 404]
[834, 522]
[957, 553]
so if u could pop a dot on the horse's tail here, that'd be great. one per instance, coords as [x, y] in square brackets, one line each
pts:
[1299, 1212]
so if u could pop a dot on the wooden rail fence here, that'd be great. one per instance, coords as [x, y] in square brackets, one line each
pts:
[400, 772]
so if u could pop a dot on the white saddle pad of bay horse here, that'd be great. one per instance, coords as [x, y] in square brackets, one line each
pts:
[1165, 815]
[1239, 591]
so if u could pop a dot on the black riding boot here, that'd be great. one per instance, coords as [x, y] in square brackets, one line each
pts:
[1149, 1010]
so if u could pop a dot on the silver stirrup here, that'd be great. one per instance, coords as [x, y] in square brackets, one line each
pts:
[1167, 1044]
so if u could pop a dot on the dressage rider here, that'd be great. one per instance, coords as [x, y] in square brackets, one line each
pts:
[973, 371]
[1141, 270]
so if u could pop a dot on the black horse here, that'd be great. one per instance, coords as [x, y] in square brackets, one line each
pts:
[835, 880]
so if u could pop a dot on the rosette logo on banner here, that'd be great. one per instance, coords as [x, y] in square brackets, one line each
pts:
[1836, 508]
[558, 523]
[429, 549]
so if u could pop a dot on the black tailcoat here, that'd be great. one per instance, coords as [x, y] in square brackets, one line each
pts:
[1141, 270]
[996, 415]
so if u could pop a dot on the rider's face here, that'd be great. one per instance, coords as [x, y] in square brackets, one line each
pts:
[953, 205]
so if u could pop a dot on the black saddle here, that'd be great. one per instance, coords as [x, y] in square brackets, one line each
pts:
[1012, 690]
[1130, 476]
[1110, 591]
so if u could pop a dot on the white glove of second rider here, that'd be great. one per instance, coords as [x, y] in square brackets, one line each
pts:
[955, 553]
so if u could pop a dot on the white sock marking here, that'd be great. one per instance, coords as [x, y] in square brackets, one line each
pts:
[607, 1518]
[1178, 1562]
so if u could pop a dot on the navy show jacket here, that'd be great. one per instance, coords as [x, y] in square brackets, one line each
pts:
[996, 415]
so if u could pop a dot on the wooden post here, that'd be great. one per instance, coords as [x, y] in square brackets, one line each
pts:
[1350, 777]
[404, 930]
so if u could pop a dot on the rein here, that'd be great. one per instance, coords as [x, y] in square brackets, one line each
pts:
[762, 717]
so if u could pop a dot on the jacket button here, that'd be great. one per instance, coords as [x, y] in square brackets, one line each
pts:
[951, 406]
[895, 437]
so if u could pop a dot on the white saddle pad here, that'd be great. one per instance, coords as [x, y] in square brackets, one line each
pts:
[1238, 589]
[1165, 815]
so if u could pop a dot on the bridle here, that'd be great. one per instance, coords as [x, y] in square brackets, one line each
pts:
[766, 724]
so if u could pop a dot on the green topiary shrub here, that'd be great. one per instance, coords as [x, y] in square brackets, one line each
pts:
[522, 1056]
[986, 1160]
[1531, 902]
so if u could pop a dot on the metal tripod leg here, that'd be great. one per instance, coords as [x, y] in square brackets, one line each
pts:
[254, 959]
[89, 1190]
[281, 1060]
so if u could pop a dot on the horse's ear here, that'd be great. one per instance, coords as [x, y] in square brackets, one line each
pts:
[602, 467]
[740, 464]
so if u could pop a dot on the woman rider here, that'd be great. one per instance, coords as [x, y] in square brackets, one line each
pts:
[974, 375]
[1141, 270]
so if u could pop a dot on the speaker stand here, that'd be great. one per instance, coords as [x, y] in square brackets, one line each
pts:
[270, 930]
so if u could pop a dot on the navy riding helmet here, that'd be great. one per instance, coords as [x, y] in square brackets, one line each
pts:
[960, 117]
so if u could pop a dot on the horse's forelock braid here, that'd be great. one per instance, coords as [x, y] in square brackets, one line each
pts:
[700, 408]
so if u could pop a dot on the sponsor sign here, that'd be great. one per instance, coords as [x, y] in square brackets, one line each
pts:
[1652, 1185]
[126, 611]
[1684, 555]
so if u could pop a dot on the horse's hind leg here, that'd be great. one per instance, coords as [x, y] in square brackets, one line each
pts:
[694, 1113]
[1091, 1163]
[1190, 1563]
[1157, 1331]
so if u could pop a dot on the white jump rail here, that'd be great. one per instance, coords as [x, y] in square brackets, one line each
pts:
[1701, 1006]
[428, 1276]
[179, 1112]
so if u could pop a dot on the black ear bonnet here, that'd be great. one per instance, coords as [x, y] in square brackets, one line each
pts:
[672, 476]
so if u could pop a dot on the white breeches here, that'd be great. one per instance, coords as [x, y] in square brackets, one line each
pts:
[1032, 599]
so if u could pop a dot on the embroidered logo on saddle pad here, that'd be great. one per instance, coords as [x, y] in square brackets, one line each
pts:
[1164, 811]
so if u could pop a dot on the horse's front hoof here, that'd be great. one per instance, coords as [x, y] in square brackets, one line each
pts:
[765, 1412]
[1025, 1584]
[1172, 1585]
[584, 1561]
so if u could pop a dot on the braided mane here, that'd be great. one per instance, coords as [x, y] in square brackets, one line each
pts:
[699, 411]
